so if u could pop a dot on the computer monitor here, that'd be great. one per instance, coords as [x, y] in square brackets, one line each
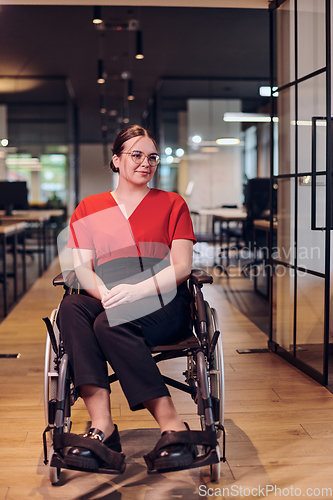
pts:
[13, 196]
[257, 197]
[258, 204]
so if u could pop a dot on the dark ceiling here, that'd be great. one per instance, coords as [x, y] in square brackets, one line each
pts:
[189, 53]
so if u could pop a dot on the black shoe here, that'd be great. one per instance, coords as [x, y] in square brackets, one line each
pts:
[175, 456]
[86, 459]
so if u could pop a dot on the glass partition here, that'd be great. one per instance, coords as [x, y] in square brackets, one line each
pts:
[286, 116]
[311, 36]
[285, 34]
[310, 320]
[299, 330]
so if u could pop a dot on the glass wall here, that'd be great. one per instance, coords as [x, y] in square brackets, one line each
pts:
[299, 329]
[42, 137]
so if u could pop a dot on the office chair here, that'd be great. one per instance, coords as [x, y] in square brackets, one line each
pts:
[257, 203]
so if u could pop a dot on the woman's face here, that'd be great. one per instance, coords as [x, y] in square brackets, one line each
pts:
[129, 170]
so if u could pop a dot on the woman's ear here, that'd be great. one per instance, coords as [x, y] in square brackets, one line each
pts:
[115, 161]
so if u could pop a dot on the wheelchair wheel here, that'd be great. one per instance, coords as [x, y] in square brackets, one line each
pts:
[54, 472]
[216, 381]
[216, 367]
[50, 372]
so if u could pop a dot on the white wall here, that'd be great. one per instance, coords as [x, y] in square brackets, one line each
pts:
[217, 176]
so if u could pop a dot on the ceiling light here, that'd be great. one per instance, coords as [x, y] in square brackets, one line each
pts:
[265, 91]
[100, 72]
[168, 151]
[169, 159]
[4, 142]
[113, 112]
[180, 152]
[308, 123]
[196, 139]
[130, 95]
[139, 51]
[102, 106]
[12, 84]
[125, 75]
[248, 117]
[97, 19]
[227, 141]
[28, 163]
[126, 120]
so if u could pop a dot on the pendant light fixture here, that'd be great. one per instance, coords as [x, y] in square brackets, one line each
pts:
[130, 95]
[97, 19]
[139, 50]
[100, 71]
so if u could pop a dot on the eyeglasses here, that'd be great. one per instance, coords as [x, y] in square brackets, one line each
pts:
[138, 157]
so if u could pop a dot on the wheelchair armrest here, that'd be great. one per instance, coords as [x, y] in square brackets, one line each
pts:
[199, 277]
[65, 278]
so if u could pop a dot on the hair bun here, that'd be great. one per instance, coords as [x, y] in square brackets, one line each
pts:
[113, 168]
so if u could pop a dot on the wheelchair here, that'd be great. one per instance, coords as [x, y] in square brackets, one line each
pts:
[204, 381]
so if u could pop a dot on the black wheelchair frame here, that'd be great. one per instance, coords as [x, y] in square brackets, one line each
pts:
[204, 379]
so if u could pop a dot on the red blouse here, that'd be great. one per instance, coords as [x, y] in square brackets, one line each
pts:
[99, 224]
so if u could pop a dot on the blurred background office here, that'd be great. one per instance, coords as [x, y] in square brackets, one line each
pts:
[70, 82]
[236, 97]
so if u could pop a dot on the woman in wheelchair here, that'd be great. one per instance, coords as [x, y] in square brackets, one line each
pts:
[132, 253]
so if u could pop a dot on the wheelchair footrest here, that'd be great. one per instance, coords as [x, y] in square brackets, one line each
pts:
[209, 458]
[192, 438]
[60, 462]
[114, 461]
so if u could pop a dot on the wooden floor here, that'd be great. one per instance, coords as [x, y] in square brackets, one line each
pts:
[279, 422]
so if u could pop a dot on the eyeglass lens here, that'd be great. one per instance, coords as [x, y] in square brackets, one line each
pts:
[138, 157]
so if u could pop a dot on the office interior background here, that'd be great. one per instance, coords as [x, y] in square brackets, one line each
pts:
[201, 79]
[57, 125]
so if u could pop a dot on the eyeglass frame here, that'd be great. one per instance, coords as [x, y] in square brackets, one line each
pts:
[158, 159]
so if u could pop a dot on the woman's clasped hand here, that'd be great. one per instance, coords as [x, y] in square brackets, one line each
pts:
[122, 294]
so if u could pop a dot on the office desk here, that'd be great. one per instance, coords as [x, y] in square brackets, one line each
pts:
[262, 225]
[10, 229]
[224, 216]
[38, 219]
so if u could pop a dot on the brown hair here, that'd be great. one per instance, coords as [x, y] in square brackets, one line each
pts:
[126, 134]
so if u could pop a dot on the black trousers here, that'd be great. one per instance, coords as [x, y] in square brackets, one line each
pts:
[90, 341]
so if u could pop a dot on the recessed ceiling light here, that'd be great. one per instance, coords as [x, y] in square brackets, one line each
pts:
[180, 152]
[248, 118]
[227, 141]
[196, 139]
